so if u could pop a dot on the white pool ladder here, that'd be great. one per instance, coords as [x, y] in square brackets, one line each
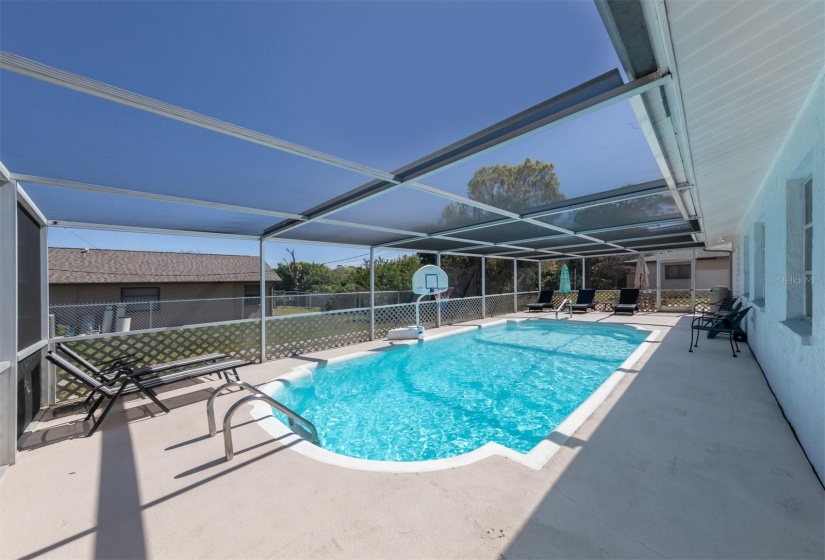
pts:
[297, 423]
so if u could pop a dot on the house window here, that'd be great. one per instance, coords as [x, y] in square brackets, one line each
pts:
[252, 295]
[759, 263]
[746, 266]
[139, 299]
[807, 248]
[677, 272]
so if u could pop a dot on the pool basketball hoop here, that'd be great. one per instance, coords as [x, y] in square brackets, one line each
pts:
[429, 280]
[442, 297]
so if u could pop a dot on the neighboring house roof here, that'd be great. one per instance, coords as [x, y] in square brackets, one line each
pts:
[100, 266]
[682, 255]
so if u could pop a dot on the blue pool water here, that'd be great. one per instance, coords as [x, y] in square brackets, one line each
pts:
[511, 384]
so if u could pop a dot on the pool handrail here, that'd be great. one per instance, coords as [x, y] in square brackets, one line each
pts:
[305, 426]
[561, 308]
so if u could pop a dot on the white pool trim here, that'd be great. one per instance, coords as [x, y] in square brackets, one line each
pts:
[536, 458]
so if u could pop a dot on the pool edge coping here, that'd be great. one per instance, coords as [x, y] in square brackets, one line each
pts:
[535, 459]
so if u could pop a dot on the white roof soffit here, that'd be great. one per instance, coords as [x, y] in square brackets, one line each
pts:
[638, 49]
[743, 72]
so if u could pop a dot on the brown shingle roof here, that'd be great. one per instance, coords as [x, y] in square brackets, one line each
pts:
[100, 266]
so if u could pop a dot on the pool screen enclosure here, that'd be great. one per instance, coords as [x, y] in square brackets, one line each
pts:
[423, 206]
[83, 153]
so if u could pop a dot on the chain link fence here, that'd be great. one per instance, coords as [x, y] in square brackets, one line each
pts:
[112, 317]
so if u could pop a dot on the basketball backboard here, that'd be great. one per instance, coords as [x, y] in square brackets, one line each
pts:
[429, 279]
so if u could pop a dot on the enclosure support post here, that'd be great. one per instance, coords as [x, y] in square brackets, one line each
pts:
[658, 284]
[515, 285]
[48, 376]
[584, 286]
[263, 300]
[693, 281]
[438, 301]
[483, 287]
[372, 293]
[539, 275]
[8, 322]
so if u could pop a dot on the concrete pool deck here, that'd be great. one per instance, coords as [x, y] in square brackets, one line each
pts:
[689, 456]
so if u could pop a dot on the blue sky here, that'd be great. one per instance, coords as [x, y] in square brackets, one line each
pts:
[378, 83]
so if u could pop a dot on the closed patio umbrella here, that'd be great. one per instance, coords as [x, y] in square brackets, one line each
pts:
[642, 278]
[564, 280]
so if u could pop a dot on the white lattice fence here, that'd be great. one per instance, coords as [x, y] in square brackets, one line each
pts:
[703, 300]
[391, 316]
[606, 299]
[298, 334]
[500, 304]
[559, 297]
[526, 298]
[460, 310]
[239, 339]
[675, 300]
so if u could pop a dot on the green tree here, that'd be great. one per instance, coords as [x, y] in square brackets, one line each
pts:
[390, 274]
[530, 184]
[301, 276]
[607, 273]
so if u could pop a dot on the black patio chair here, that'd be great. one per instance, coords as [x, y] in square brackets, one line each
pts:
[628, 301]
[725, 306]
[584, 301]
[545, 301]
[719, 325]
[125, 381]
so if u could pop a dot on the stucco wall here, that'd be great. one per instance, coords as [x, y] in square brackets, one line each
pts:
[709, 273]
[790, 350]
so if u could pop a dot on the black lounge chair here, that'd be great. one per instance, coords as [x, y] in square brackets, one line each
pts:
[545, 301]
[584, 301]
[628, 301]
[126, 381]
[719, 325]
[130, 360]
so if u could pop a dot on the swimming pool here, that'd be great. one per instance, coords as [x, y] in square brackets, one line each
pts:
[508, 385]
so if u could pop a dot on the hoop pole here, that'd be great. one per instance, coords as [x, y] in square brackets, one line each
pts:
[438, 296]
[262, 288]
[372, 294]
[483, 287]
[515, 285]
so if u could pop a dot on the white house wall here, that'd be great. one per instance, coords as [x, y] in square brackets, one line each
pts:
[791, 350]
[709, 273]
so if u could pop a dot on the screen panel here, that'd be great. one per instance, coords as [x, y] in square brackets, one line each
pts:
[412, 210]
[54, 132]
[646, 231]
[69, 205]
[28, 280]
[594, 153]
[508, 232]
[662, 242]
[432, 244]
[329, 233]
[627, 212]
